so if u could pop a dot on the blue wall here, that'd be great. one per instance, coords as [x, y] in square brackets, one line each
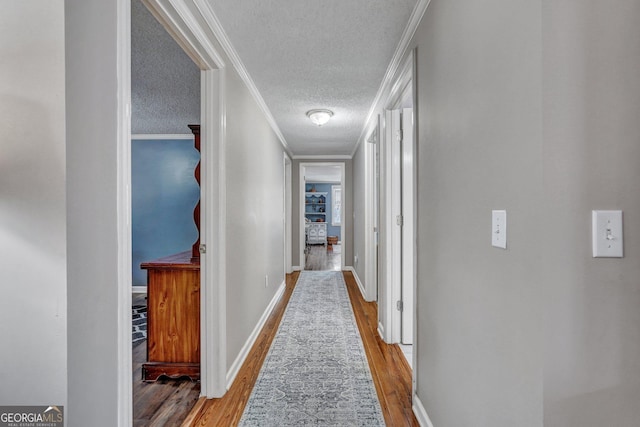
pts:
[163, 195]
[326, 188]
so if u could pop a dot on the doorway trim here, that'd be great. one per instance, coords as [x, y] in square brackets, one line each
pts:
[372, 214]
[124, 348]
[182, 20]
[302, 169]
[403, 84]
[287, 215]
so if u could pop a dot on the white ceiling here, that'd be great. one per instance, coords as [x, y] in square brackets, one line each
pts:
[306, 54]
[323, 173]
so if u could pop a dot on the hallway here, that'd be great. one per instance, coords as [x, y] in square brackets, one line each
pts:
[390, 371]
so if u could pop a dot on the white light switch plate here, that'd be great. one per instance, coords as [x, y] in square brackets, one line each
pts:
[607, 234]
[499, 229]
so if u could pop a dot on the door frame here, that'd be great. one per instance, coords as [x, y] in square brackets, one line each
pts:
[125, 349]
[302, 169]
[182, 20]
[409, 241]
[287, 216]
[390, 316]
[372, 214]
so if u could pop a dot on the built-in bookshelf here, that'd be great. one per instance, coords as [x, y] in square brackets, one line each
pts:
[315, 206]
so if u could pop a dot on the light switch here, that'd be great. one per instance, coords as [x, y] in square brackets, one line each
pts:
[607, 234]
[499, 229]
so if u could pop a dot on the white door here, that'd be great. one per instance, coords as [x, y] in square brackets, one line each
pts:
[408, 232]
[401, 224]
[395, 223]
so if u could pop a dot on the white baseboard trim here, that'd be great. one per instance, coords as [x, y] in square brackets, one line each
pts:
[244, 352]
[381, 330]
[296, 268]
[358, 281]
[138, 289]
[421, 413]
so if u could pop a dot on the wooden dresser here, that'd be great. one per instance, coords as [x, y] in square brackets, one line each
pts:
[173, 324]
[173, 307]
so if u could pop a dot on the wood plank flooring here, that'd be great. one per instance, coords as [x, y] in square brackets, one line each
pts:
[165, 402]
[390, 371]
[389, 368]
[321, 257]
[227, 410]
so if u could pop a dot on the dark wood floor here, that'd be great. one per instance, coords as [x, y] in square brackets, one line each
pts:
[165, 402]
[322, 257]
[390, 371]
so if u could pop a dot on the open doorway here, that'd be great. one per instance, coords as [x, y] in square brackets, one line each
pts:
[287, 213]
[321, 216]
[165, 189]
[210, 341]
[397, 209]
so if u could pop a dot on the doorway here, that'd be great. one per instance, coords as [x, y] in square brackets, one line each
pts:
[322, 224]
[165, 188]
[372, 212]
[212, 345]
[288, 266]
[396, 269]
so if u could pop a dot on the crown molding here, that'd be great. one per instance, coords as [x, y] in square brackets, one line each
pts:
[216, 27]
[161, 136]
[394, 65]
[321, 157]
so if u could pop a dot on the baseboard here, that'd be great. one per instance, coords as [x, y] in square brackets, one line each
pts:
[244, 352]
[138, 289]
[421, 413]
[358, 281]
[381, 330]
[296, 268]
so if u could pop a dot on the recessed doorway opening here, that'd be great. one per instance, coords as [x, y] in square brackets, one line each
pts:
[321, 216]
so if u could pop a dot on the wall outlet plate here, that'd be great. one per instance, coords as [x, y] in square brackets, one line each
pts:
[606, 234]
[499, 229]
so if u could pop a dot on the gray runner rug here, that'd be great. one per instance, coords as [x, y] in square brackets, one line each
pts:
[316, 372]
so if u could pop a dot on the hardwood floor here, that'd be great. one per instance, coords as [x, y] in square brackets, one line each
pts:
[321, 257]
[390, 371]
[165, 402]
[227, 410]
[389, 368]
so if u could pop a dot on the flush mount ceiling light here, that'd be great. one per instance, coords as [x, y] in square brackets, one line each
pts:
[319, 117]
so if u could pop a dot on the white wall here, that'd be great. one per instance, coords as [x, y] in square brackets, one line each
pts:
[591, 100]
[255, 244]
[33, 306]
[479, 116]
[359, 211]
[92, 87]
[530, 107]
[254, 232]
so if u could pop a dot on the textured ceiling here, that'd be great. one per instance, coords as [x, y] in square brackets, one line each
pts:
[306, 54]
[323, 174]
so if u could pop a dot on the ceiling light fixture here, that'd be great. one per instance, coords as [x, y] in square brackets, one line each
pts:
[319, 117]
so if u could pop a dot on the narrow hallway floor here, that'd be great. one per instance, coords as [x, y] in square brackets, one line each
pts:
[390, 372]
[323, 257]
